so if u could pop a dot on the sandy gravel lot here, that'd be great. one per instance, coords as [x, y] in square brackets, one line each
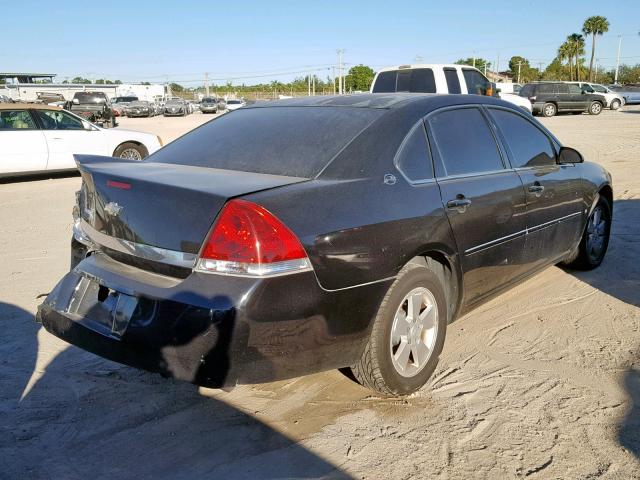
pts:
[543, 382]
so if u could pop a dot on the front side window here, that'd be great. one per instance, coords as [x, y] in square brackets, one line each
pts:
[16, 120]
[574, 89]
[561, 88]
[599, 88]
[529, 146]
[413, 158]
[477, 84]
[453, 83]
[465, 142]
[59, 120]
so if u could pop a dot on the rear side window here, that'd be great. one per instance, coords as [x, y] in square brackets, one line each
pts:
[477, 84]
[385, 83]
[547, 88]
[562, 88]
[453, 84]
[16, 120]
[465, 142]
[529, 146]
[413, 158]
[292, 141]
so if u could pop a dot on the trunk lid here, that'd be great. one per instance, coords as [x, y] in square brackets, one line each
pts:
[160, 204]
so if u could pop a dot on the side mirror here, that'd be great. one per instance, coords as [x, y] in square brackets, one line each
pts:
[86, 125]
[76, 101]
[569, 155]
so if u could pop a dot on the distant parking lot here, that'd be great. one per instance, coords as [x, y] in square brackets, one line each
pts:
[542, 382]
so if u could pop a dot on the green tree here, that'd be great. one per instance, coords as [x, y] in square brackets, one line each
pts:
[596, 25]
[359, 78]
[176, 87]
[575, 49]
[80, 80]
[479, 63]
[522, 70]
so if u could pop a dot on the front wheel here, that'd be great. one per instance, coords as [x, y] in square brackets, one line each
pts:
[131, 151]
[595, 108]
[408, 332]
[615, 105]
[595, 239]
[549, 110]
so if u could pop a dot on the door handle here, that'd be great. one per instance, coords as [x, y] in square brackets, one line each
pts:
[460, 204]
[536, 189]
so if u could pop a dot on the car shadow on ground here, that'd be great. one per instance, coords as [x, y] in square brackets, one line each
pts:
[39, 176]
[619, 277]
[69, 414]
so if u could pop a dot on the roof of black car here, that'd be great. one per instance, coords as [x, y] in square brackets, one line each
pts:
[430, 101]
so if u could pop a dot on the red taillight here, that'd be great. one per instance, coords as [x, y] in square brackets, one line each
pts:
[247, 239]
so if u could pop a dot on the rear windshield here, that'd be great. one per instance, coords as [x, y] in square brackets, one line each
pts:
[90, 97]
[415, 80]
[290, 141]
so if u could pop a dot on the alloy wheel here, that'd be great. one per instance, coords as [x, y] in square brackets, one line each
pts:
[596, 233]
[131, 154]
[414, 332]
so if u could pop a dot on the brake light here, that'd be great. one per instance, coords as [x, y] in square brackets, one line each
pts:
[249, 240]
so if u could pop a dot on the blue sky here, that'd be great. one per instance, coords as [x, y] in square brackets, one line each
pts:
[252, 41]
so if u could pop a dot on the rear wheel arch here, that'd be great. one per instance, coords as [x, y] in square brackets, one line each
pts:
[450, 276]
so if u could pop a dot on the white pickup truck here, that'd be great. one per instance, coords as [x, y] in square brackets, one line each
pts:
[440, 78]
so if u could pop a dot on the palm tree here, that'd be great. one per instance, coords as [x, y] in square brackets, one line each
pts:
[564, 53]
[596, 25]
[576, 50]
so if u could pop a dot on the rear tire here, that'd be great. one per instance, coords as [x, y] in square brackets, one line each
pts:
[595, 108]
[595, 239]
[132, 151]
[549, 110]
[404, 346]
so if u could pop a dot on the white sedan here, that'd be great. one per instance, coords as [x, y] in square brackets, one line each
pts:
[40, 138]
[235, 104]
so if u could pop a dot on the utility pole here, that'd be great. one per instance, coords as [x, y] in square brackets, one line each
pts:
[206, 83]
[615, 80]
[474, 59]
[340, 80]
[595, 78]
[498, 66]
[313, 79]
[333, 78]
[540, 69]
[519, 65]
[308, 85]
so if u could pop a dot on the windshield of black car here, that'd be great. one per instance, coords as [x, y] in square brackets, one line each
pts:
[291, 141]
[90, 98]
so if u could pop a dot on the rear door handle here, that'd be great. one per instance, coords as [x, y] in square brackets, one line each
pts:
[460, 204]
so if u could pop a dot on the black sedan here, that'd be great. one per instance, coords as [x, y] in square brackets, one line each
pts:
[310, 234]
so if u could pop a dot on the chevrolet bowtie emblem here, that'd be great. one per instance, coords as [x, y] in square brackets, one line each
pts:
[113, 209]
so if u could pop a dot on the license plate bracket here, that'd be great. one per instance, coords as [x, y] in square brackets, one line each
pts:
[100, 308]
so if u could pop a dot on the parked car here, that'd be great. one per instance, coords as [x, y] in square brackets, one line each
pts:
[269, 244]
[119, 105]
[613, 99]
[37, 138]
[94, 107]
[630, 93]
[174, 108]
[235, 104]
[511, 88]
[140, 109]
[49, 98]
[436, 78]
[209, 105]
[549, 98]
